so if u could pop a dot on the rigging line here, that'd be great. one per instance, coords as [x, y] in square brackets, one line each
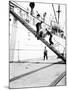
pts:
[54, 13]
[58, 12]
[56, 45]
[58, 42]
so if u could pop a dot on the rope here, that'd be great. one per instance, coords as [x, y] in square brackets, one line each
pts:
[58, 43]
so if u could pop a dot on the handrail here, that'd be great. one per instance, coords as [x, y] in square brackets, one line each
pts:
[17, 5]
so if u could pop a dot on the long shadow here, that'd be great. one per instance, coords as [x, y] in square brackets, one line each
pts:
[31, 72]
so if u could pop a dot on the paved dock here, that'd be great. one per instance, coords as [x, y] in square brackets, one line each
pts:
[29, 74]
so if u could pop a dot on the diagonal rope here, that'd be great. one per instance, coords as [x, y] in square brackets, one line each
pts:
[54, 13]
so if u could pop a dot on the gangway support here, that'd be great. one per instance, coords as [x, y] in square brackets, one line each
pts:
[21, 20]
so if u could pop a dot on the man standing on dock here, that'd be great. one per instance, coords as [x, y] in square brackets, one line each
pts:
[45, 53]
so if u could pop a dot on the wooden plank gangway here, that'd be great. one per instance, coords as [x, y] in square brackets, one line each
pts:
[21, 20]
